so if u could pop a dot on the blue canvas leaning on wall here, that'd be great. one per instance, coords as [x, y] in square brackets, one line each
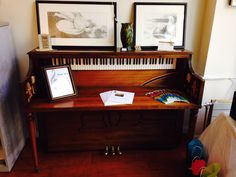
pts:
[11, 126]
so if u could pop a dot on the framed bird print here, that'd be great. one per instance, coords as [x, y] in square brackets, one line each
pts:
[73, 24]
[159, 22]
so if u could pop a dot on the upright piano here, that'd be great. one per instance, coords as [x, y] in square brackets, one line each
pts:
[84, 123]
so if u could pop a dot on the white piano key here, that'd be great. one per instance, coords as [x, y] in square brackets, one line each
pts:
[120, 63]
[53, 62]
[57, 61]
[64, 61]
[74, 64]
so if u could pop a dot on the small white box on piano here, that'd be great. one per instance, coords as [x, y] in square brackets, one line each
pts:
[165, 46]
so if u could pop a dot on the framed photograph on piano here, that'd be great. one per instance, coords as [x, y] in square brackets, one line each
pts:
[78, 25]
[159, 22]
[59, 82]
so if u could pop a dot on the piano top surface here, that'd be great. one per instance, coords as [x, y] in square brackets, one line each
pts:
[180, 52]
[88, 99]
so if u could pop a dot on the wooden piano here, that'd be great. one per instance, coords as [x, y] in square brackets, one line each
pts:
[84, 123]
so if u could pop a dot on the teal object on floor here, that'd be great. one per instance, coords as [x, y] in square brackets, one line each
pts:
[196, 151]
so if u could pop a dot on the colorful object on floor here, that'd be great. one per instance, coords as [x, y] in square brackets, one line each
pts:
[167, 96]
[197, 166]
[197, 159]
[211, 170]
[196, 150]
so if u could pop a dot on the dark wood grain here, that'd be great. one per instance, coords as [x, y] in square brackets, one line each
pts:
[88, 99]
[127, 129]
[94, 54]
[32, 133]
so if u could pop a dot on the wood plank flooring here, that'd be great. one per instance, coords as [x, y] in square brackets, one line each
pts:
[1, 152]
[132, 163]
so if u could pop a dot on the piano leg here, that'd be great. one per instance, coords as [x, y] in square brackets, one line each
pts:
[32, 134]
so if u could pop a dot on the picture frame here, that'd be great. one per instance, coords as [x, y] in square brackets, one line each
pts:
[78, 25]
[155, 22]
[232, 2]
[44, 42]
[59, 82]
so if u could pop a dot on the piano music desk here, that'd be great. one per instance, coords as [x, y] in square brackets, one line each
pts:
[98, 71]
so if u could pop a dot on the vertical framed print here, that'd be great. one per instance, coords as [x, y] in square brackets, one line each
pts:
[73, 24]
[59, 82]
[155, 22]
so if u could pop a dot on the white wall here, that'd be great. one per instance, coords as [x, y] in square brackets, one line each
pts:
[218, 53]
[22, 17]
[219, 89]
[220, 68]
[221, 60]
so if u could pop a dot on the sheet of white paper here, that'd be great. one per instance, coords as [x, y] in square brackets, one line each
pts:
[105, 95]
[116, 97]
[121, 97]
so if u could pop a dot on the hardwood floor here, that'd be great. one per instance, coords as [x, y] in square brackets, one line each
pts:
[148, 163]
[1, 152]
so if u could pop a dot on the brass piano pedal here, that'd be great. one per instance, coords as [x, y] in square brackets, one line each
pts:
[113, 150]
[118, 150]
[106, 151]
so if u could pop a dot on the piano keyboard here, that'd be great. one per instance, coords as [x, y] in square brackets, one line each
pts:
[116, 63]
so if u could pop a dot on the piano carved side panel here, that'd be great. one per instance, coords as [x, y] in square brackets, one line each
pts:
[28, 89]
[193, 86]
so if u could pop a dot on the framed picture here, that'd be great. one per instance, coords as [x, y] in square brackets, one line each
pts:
[44, 42]
[82, 25]
[155, 22]
[59, 82]
[232, 2]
